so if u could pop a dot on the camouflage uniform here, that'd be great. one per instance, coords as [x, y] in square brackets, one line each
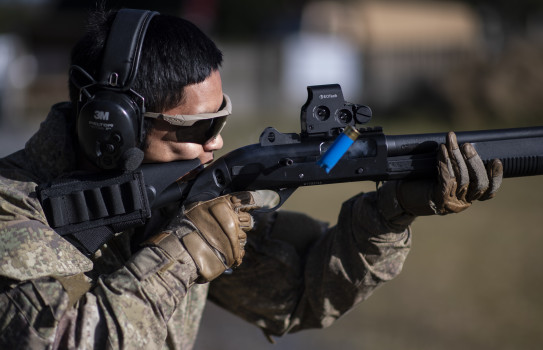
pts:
[297, 272]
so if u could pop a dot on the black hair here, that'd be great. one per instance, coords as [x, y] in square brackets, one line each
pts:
[175, 54]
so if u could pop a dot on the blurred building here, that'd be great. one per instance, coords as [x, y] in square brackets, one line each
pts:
[382, 53]
[404, 45]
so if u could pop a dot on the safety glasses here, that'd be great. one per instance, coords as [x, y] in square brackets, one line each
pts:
[197, 128]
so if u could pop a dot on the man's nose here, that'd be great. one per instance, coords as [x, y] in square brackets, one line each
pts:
[214, 144]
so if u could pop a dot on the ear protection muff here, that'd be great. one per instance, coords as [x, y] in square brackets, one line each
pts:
[110, 113]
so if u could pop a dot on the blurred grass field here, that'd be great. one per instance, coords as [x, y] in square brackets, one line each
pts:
[472, 280]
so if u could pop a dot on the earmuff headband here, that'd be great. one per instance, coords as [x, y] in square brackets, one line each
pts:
[123, 48]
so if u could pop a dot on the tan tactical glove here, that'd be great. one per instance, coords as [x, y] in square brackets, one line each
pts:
[462, 179]
[214, 232]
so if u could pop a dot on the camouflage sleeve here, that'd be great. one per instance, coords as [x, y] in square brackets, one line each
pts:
[128, 308]
[298, 273]
[52, 296]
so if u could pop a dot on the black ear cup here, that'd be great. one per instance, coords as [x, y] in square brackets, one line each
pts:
[108, 130]
[110, 121]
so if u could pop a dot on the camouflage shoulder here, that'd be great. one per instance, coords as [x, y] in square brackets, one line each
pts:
[29, 249]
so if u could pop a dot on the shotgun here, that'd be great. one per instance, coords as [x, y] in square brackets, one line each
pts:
[89, 209]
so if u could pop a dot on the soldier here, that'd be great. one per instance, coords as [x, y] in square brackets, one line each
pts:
[147, 287]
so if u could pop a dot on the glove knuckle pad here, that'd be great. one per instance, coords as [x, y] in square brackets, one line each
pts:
[226, 219]
[218, 224]
[208, 263]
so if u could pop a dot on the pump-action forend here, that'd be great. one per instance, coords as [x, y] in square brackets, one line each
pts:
[281, 162]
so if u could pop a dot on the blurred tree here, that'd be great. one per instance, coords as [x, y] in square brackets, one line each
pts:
[505, 90]
[163, 6]
[247, 19]
[14, 17]
[515, 14]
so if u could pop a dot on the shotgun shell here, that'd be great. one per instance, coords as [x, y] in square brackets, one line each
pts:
[338, 148]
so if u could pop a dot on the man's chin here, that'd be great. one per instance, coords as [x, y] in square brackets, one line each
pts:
[207, 162]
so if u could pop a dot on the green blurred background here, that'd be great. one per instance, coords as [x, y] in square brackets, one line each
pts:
[472, 280]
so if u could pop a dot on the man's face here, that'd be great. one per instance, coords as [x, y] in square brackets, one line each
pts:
[204, 97]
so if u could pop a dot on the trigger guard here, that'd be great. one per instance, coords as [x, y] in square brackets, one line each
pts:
[284, 194]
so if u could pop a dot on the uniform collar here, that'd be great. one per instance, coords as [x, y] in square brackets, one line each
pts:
[52, 149]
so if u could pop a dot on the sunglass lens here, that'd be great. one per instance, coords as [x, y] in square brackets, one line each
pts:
[202, 131]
